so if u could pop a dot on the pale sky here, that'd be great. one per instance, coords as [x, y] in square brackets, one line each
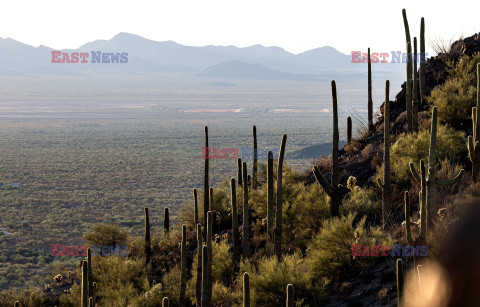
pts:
[296, 26]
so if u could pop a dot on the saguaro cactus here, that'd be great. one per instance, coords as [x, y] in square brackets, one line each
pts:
[205, 301]
[16, 304]
[195, 206]
[332, 189]
[246, 222]
[279, 209]
[84, 302]
[270, 197]
[239, 172]
[386, 187]
[473, 142]
[415, 88]
[199, 266]
[370, 101]
[422, 236]
[246, 290]
[349, 130]
[205, 183]
[94, 293]
[235, 230]
[90, 302]
[409, 88]
[399, 281]
[290, 298]
[166, 220]
[431, 178]
[148, 249]
[183, 274]
[165, 302]
[210, 254]
[255, 158]
[423, 63]
[89, 275]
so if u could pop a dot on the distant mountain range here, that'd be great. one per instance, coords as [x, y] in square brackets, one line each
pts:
[145, 55]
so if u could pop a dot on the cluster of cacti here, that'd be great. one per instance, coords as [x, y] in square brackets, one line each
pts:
[332, 189]
[431, 180]
[370, 100]
[278, 213]
[473, 142]
[385, 185]
[88, 287]
[255, 159]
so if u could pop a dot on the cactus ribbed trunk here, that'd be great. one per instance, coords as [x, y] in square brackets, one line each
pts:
[210, 254]
[84, 302]
[165, 302]
[183, 265]
[206, 185]
[370, 100]
[399, 281]
[255, 159]
[349, 130]
[205, 301]
[195, 206]
[409, 88]
[279, 209]
[290, 298]
[270, 198]
[94, 293]
[246, 290]
[148, 250]
[166, 220]
[235, 230]
[246, 222]
[415, 88]
[90, 274]
[386, 187]
[239, 172]
[423, 63]
[198, 294]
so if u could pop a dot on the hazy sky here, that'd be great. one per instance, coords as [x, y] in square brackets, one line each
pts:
[296, 26]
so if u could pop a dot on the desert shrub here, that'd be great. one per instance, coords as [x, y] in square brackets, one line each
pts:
[456, 97]
[224, 297]
[268, 283]
[106, 235]
[364, 201]
[329, 253]
[414, 147]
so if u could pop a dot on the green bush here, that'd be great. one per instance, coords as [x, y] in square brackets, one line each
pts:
[414, 147]
[363, 201]
[268, 283]
[329, 253]
[456, 97]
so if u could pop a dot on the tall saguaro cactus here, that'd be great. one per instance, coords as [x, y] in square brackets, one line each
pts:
[385, 185]
[90, 273]
[290, 298]
[246, 290]
[205, 301]
[279, 209]
[349, 130]
[235, 230]
[415, 88]
[422, 236]
[198, 293]
[148, 249]
[210, 254]
[473, 143]
[423, 63]
[270, 197]
[205, 183]
[370, 100]
[183, 265]
[165, 302]
[408, 87]
[166, 220]
[332, 188]
[431, 177]
[246, 221]
[255, 159]
[239, 172]
[84, 302]
[195, 206]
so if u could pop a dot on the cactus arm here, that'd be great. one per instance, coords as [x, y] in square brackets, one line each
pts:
[407, 219]
[327, 187]
[471, 148]
[414, 172]
[451, 181]
[379, 182]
